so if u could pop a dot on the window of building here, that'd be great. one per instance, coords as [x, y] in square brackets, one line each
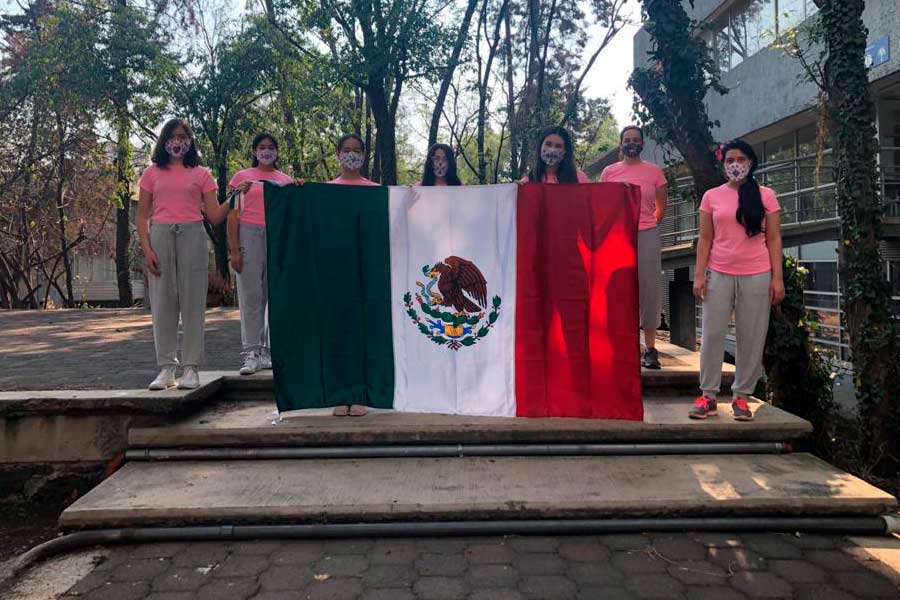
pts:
[759, 16]
[894, 275]
[752, 26]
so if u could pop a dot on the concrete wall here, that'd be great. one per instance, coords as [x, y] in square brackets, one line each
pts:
[768, 87]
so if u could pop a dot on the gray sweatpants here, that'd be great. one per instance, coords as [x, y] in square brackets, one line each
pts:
[747, 296]
[649, 266]
[180, 289]
[253, 290]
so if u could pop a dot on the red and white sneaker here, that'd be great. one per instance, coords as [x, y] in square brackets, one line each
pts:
[703, 407]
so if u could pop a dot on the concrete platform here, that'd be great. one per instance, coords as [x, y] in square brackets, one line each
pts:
[378, 490]
[247, 424]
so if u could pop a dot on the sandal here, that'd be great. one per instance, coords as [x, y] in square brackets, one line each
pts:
[341, 411]
[358, 410]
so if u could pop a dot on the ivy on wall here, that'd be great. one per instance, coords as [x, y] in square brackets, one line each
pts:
[671, 90]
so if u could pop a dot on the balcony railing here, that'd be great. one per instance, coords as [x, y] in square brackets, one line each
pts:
[805, 197]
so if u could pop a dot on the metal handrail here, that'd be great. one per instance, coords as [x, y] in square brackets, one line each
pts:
[681, 224]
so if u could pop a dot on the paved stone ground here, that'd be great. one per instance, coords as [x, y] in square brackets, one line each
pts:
[94, 349]
[98, 349]
[689, 566]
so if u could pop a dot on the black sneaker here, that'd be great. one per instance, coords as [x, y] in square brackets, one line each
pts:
[650, 359]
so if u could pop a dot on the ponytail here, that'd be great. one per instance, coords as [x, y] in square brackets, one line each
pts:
[750, 212]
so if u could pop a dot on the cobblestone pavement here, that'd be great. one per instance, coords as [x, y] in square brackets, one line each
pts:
[689, 566]
[87, 349]
[97, 349]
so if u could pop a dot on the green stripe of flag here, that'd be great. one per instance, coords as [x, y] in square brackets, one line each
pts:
[329, 295]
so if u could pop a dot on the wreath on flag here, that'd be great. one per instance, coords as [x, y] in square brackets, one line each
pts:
[445, 326]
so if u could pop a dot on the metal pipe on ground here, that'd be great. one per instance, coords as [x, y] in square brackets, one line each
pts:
[871, 525]
[455, 450]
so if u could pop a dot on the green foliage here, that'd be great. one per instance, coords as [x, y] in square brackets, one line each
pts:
[670, 93]
[799, 378]
[866, 293]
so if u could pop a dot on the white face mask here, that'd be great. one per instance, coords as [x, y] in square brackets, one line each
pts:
[177, 148]
[352, 161]
[440, 168]
[552, 156]
[267, 156]
[737, 171]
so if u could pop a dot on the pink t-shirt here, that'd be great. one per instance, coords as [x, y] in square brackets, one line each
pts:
[733, 251]
[646, 175]
[254, 209]
[582, 178]
[340, 180]
[177, 192]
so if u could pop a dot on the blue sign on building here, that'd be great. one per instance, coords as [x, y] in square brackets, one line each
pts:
[878, 52]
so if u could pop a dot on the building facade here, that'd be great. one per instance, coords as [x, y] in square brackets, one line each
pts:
[772, 106]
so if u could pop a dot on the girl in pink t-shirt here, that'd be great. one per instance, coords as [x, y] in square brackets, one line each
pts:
[247, 249]
[652, 181]
[351, 155]
[440, 167]
[738, 270]
[170, 227]
[554, 159]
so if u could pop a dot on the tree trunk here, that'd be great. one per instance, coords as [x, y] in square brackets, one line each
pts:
[69, 299]
[461, 36]
[525, 116]
[866, 293]
[220, 242]
[511, 101]
[385, 168]
[674, 87]
[123, 182]
[123, 223]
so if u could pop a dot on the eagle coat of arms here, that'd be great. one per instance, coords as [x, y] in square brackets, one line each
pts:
[454, 315]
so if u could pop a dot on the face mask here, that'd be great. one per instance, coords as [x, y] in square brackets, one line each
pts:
[352, 161]
[440, 169]
[177, 148]
[552, 156]
[632, 149]
[266, 156]
[737, 171]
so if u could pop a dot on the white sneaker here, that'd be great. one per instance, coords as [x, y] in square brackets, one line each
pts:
[265, 359]
[165, 379]
[251, 363]
[189, 379]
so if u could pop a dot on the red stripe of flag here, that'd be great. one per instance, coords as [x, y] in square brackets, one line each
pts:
[577, 302]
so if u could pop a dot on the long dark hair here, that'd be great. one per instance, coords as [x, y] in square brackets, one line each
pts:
[160, 156]
[257, 140]
[428, 176]
[566, 171]
[750, 211]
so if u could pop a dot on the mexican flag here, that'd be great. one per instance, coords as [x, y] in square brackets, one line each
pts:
[498, 300]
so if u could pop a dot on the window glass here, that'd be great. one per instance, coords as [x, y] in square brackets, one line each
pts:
[826, 250]
[894, 266]
[790, 14]
[738, 39]
[821, 276]
[722, 49]
[759, 19]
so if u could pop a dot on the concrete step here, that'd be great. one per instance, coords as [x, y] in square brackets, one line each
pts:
[441, 489]
[249, 424]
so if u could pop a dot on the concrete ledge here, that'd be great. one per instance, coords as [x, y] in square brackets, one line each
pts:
[249, 423]
[436, 489]
[65, 402]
